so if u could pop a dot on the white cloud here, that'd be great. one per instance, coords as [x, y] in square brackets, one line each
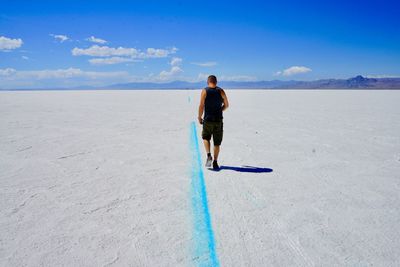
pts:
[205, 64]
[106, 51]
[171, 74]
[7, 72]
[157, 53]
[383, 76]
[60, 37]
[7, 44]
[293, 71]
[168, 75]
[96, 40]
[175, 61]
[203, 76]
[74, 77]
[58, 74]
[25, 57]
[242, 78]
[111, 60]
[56, 78]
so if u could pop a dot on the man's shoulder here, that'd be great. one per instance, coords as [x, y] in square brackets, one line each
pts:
[221, 90]
[216, 88]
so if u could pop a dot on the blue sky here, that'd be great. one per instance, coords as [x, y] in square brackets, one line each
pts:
[72, 43]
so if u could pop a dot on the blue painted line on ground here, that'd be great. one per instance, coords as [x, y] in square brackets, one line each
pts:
[204, 242]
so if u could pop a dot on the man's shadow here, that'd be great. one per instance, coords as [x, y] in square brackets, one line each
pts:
[244, 169]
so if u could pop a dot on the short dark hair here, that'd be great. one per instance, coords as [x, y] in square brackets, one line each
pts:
[212, 79]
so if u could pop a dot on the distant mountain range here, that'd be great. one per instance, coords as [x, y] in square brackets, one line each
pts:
[358, 82]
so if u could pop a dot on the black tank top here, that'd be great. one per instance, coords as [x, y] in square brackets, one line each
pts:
[213, 104]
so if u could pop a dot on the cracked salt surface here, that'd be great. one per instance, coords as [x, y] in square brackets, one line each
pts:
[102, 178]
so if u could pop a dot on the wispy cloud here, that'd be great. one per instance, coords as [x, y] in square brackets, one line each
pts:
[242, 78]
[175, 61]
[106, 51]
[96, 40]
[293, 71]
[7, 72]
[205, 64]
[7, 44]
[58, 74]
[158, 53]
[53, 78]
[60, 37]
[166, 75]
[377, 76]
[112, 60]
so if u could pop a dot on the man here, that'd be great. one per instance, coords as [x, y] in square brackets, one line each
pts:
[213, 102]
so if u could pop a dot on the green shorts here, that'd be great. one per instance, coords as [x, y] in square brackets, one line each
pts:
[214, 129]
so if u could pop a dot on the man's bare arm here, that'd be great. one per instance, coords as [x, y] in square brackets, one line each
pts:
[201, 105]
[226, 102]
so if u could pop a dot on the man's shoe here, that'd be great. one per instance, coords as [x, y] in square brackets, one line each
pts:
[215, 165]
[208, 161]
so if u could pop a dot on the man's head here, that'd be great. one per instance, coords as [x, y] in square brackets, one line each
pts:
[212, 81]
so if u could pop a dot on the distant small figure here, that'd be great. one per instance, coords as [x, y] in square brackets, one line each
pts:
[213, 102]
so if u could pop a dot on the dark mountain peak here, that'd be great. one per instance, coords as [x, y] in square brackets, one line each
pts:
[360, 82]
[358, 78]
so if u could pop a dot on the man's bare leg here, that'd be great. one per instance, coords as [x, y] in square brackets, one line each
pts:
[207, 145]
[216, 152]
[209, 158]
